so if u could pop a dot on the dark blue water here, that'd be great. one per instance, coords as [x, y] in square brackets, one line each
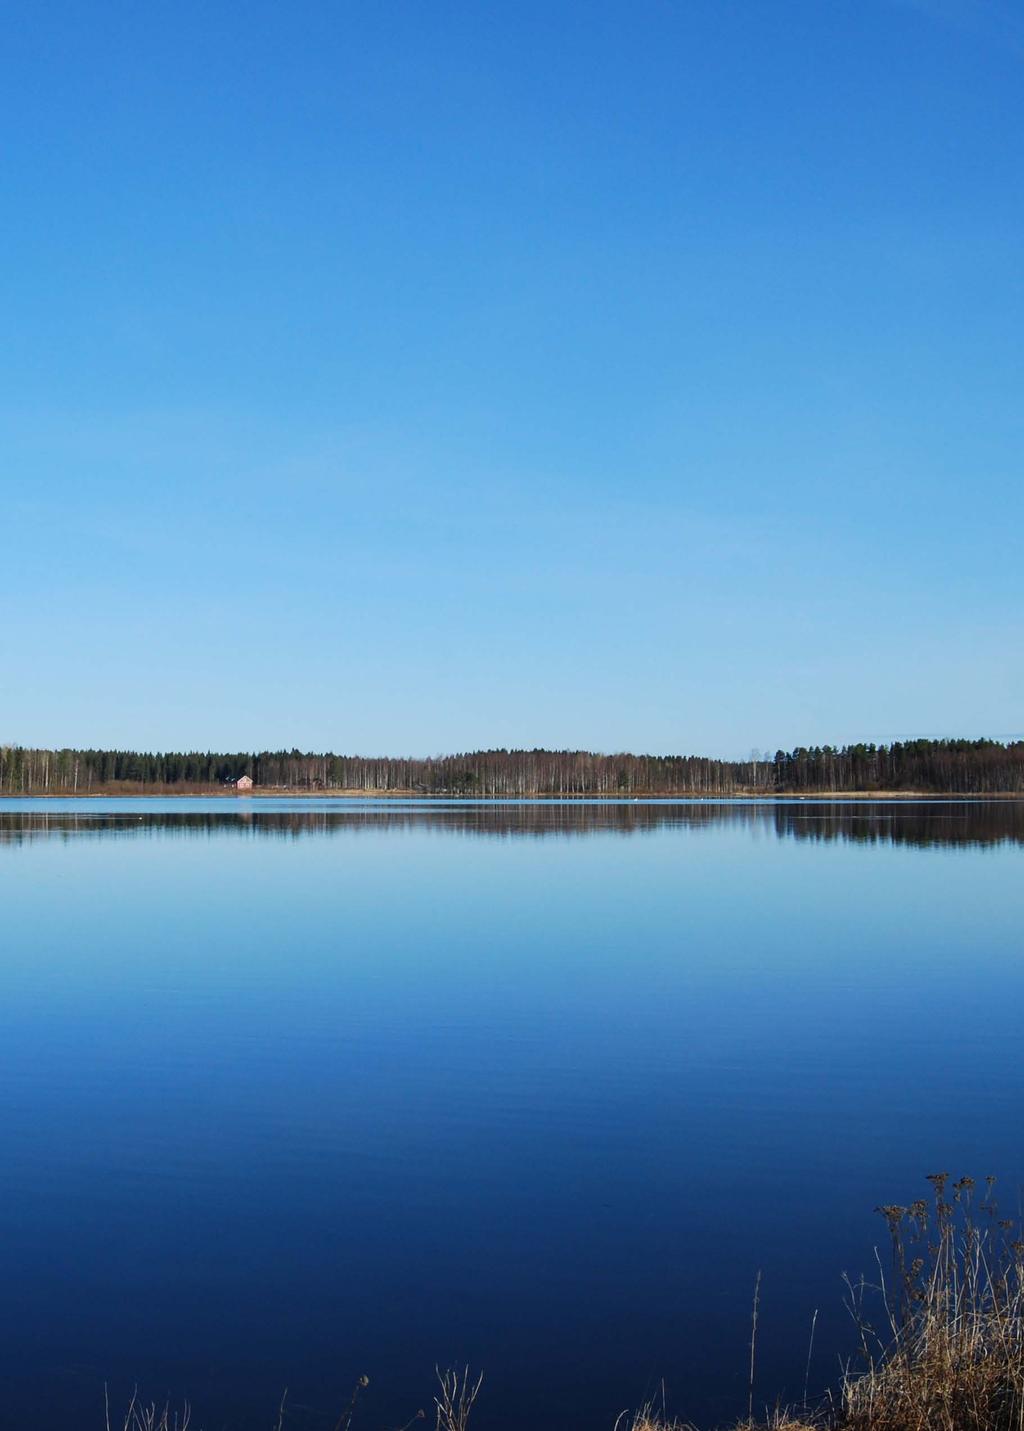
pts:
[291, 1093]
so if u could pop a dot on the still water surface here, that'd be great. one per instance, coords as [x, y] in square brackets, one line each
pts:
[293, 1092]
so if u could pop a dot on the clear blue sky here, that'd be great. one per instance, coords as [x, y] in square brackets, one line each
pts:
[422, 376]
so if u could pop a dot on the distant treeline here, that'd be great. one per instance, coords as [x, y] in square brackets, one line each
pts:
[960, 767]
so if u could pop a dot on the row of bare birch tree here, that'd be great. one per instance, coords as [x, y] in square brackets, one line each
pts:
[961, 767]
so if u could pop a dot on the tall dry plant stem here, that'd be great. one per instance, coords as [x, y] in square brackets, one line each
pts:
[454, 1401]
[345, 1419]
[753, 1345]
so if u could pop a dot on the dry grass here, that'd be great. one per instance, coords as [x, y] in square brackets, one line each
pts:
[950, 1352]
[456, 1398]
[941, 1334]
[648, 1418]
[142, 1416]
[781, 1421]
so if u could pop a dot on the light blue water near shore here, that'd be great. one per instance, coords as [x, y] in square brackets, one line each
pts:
[296, 1091]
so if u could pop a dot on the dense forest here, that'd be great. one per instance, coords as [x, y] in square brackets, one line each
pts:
[960, 767]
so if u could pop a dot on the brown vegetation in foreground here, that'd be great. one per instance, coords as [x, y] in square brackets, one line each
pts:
[940, 1338]
[950, 1355]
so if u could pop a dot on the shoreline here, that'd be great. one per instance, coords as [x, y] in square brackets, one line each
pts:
[135, 792]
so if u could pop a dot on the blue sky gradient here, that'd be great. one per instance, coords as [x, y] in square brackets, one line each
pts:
[417, 377]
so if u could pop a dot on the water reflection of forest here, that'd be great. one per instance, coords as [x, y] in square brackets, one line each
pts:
[922, 823]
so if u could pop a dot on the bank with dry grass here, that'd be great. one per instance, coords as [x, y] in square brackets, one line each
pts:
[937, 1338]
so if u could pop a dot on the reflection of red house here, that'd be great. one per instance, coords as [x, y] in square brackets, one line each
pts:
[245, 783]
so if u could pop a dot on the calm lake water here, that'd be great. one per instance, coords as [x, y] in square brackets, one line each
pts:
[293, 1092]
